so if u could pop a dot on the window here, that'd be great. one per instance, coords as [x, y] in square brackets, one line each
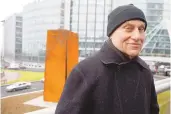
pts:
[167, 39]
[18, 51]
[90, 44]
[42, 59]
[62, 5]
[108, 9]
[91, 26]
[18, 35]
[167, 51]
[83, 9]
[160, 44]
[159, 6]
[98, 45]
[75, 9]
[91, 18]
[62, 21]
[154, 18]
[19, 46]
[108, 2]
[147, 50]
[155, 5]
[100, 18]
[75, 18]
[18, 40]
[82, 18]
[76, 2]
[100, 9]
[167, 46]
[18, 29]
[150, 44]
[42, 53]
[18, 57]
[99, 33]
[82, 26]
[150, 5]
[82, 53]
[91, 9]
[90, 33]
[19, 18]
[91, 1]
[83, 2]
[18, 24]
[158, 51]
[62, 12]
[82, 44]
[74, 26]
[82, 33]
[99, 26]
[34, 58]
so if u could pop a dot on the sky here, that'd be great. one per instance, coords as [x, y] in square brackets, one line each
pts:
[8, 8]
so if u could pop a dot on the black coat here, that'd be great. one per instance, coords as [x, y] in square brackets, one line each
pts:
[109, 83]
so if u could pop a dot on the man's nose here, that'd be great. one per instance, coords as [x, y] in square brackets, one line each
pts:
[136, 35]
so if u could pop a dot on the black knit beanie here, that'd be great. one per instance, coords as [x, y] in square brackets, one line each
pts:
[122, 14]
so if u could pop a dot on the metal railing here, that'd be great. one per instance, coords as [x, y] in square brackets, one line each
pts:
[162, 85]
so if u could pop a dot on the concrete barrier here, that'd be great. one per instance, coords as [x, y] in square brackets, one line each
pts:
[162, 81]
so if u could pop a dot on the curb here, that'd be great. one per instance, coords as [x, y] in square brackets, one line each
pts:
[21, 81]
[21, 94]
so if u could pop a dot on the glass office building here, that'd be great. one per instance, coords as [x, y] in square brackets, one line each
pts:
[157, 39]
[38, 17]
[13, 38]
[89, 20]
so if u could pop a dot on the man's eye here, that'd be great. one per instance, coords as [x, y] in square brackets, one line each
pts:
[141, 29]
[129, 28]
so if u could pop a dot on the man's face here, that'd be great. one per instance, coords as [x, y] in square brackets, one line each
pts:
[129, 37]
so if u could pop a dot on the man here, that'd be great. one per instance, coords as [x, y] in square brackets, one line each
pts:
[114, 80]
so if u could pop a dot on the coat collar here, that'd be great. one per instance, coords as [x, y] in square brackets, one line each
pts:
[109, 54]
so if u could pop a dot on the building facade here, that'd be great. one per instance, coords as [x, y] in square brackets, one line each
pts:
[38, 17]
[158, 38]
[13, 38]
[88, 18]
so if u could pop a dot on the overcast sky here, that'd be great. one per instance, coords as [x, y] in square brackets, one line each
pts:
[8, 8]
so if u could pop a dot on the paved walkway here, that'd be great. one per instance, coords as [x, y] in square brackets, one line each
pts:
[49, 106]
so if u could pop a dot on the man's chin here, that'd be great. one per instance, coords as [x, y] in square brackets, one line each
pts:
[133, 54]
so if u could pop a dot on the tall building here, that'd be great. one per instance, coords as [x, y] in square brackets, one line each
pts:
[89, 20]
[13, 38]
[38, 17]
[157, 39]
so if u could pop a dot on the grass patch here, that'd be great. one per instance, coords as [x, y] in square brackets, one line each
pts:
[14, 105]
[164, 101]
[27, 76]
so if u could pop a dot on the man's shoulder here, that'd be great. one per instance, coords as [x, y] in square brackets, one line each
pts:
[143, 63]
[89, 68]
[148, 74]
[90, 62]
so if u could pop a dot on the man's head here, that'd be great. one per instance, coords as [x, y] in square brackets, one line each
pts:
[126, 28]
